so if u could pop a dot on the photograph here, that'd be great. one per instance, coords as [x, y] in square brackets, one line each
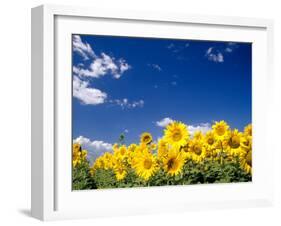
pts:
[152, 112]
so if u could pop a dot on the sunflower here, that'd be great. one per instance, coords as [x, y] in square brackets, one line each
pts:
[119, 168]
[246, 154]
[198, 135]
[120, 172]
[140, 149]
[121, 152]
[153, 146]
[197, 149]
[210, 140]
[246, 143]
[216, 154]
[186, 151]
[210, 144]
[220, 129]
[176, 134]
[132, 147]
[234, 142]
[108, 160]
[146, 138]
[145, 165]
[246, 161]
[115, 147]
[76, 147]
[248, 130]
[99, 163]
[162, 149]
[84, 154]
[76, 162]
[174, 162]
[78, 155]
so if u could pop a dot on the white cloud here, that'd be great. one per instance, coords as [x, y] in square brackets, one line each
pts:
[174, 83]
[164, 122]
[214, 55]
[177, 48]
[86, 94]
[103, 65]
[95, 148]
[83, 49]
[230, 47]
[96, 145]
[124, 66]
[100, 65]
[92, 96]
[209, 50]
[125, 103]
[155, 66]
[171, 46]
[138, 103]
[203, 127]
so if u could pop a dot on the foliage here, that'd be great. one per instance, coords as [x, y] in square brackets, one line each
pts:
[81, 176]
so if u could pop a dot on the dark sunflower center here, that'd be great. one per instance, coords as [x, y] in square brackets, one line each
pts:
[197, 149]
[123, 151]
[177, 135]
[246, 143]
[249, 158]
[220, 130]
[120, 170]
[250, 132]
[234, 142]
[185, 148]
[147, 163]
[172, 164]
[210, 140]
[146, 139]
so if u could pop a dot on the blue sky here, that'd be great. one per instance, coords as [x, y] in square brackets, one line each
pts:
[132, 85]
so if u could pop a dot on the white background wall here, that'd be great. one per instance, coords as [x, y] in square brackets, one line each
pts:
[15, 111]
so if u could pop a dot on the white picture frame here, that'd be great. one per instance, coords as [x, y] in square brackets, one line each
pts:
[52, 197]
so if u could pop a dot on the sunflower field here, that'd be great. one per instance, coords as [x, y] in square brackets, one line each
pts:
[221, 155]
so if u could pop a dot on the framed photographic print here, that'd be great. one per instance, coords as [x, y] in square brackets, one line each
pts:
[137, 112]
[174, 141]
